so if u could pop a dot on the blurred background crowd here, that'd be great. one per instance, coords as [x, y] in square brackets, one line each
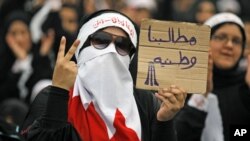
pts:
[30, 32]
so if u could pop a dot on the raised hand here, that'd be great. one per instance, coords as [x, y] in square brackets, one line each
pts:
[172, 99]
[19, 52]
[65, 70]
[47, 42]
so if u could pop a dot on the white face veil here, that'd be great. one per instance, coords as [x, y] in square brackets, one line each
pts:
[103, 75]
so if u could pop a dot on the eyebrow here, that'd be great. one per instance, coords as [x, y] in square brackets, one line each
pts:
[126, 36]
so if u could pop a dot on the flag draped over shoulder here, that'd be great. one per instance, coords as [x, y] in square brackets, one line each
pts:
[102, 106]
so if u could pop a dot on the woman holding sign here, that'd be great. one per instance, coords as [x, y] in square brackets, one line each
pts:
[103, 105]
[214, 115]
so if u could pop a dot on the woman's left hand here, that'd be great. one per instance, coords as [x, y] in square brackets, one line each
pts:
[172, 99]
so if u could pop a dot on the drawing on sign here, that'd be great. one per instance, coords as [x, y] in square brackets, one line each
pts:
[183, 61]
[151, 77]
[171, 38]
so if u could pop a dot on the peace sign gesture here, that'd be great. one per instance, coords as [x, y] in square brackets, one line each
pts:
[65, 70]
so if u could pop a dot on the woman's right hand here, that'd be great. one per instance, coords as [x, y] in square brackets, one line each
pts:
[65, 70]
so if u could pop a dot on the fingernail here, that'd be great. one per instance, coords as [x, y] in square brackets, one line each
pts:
[77, 42]
[165, 89]
[63, 39]
[157, 94]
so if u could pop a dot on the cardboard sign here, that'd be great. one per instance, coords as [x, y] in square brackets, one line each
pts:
[173, 53]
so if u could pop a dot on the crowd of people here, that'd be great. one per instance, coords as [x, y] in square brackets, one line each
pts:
[62, 79]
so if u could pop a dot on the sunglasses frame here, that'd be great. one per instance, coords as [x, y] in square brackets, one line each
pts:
[113, 38]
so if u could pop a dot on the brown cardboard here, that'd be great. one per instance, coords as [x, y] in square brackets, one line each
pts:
[173, 53]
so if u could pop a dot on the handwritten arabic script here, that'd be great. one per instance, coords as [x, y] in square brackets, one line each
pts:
[115, 20]
[171, 37]
[173, 53]
[184, 61]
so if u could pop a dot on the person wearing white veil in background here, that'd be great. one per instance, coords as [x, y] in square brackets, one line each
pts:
[216, 115]
[103, 104]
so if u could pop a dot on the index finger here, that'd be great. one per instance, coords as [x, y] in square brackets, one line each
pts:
[72, 50]
[61, 51]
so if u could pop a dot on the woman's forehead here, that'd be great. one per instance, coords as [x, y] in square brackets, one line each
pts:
[229, 28]
[115, 31]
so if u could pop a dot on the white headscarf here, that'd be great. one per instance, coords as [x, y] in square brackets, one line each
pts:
[227, 17]
[224, 17]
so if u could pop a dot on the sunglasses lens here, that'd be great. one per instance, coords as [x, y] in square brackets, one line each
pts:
[123, 46]
[101, 40]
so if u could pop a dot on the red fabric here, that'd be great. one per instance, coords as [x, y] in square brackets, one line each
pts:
[90, 125]
[122, 133]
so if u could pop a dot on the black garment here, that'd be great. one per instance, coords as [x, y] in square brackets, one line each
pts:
[53, 125]
[233, 97]
[189, 123]
[245, 9]
[234, 104]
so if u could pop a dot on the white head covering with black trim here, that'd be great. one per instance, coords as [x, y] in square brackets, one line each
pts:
[226, 17]
[103, 75]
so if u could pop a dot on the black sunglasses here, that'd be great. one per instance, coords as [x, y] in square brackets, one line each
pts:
[102, 39]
